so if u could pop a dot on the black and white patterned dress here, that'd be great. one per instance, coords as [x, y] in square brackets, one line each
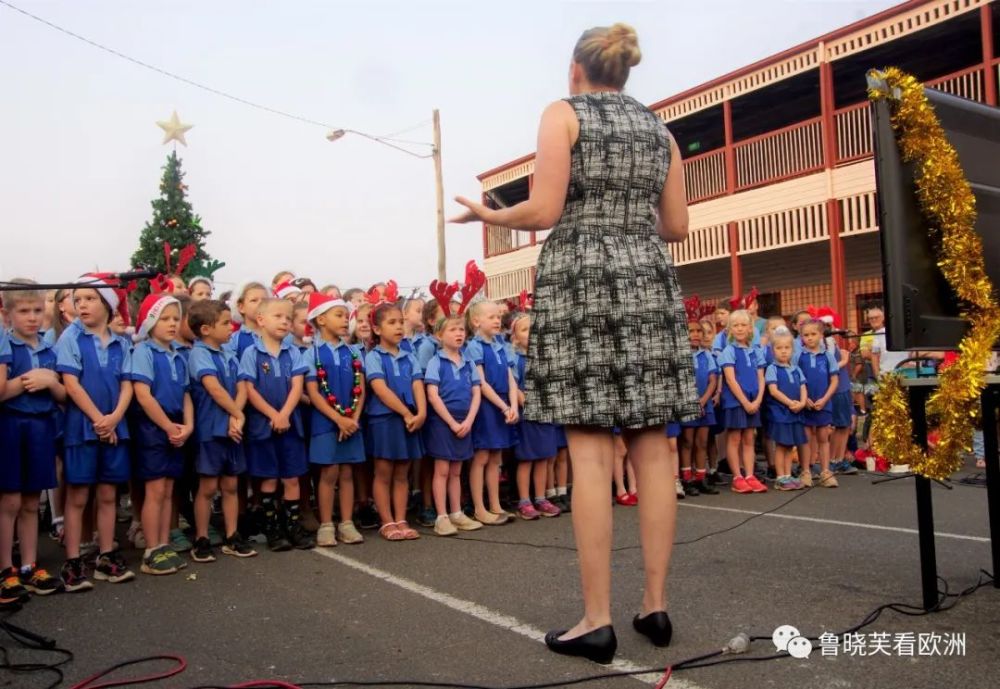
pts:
[609, 343]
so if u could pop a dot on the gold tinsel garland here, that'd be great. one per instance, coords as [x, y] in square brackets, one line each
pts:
[948, 205]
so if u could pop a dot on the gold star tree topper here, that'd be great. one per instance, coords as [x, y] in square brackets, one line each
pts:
[173, 129]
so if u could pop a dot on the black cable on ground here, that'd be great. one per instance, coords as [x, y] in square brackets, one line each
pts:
[31, 642]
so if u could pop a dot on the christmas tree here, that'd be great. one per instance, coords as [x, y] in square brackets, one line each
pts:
[173, 224]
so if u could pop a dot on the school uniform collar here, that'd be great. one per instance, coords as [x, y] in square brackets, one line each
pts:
[283, 346]
[443, 356]
[160, 348]
[319, 341]
[750, 346]
[178, 345]
[201, 344]
[382, 350]
[789, 366]
[42, 344]
[82, 329]
[496, 342]
[822, 349]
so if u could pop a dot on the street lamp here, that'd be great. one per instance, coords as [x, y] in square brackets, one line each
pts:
[335, 134]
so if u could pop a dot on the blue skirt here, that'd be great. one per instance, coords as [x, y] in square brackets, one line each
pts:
[817, 419]
[737, 418]
[561, 442]
[673, 430]
[389, 439]
[490, 430]
[441, 443]
[720, 419]
[326, 449]
[843, 410]
[787, 434]
[708, 420]
[536, 441]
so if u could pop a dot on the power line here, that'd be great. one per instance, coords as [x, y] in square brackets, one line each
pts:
[209, 89]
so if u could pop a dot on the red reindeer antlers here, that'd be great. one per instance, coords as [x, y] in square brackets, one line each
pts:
[743, 302]
[443, 293]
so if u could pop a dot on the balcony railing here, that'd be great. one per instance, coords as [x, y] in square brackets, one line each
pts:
[783, 228]
[781, 154]
[702, 244]
[500, 240]
[705, 175]
[511, 283]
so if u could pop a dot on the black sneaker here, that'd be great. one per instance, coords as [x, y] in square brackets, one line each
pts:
[300, 537]
[705, 488]
[111, 567]
[11, 589]
[772, 474]
[277, 541]
[690, 489]
[564, 503]
[39, 581]
[202, 550]
[427, 517]
[236, 546]
[716, 479]
[158, 562]
[366, 517]
[74, 577]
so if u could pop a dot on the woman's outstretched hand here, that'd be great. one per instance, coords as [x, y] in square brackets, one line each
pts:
[473, 211]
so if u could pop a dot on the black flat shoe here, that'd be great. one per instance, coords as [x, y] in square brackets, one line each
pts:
[599, 645]
[656, 626]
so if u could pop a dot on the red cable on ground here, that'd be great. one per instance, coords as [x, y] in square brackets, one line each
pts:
[87, 683]
[265, 683]
[666, 677]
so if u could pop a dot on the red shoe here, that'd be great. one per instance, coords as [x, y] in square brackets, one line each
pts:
[740, 485]
[634, 498]
[626, 499]
[755, 485]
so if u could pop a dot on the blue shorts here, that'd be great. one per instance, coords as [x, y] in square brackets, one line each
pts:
[843, 410]
[817, 419]
[283, 455]
[673, 430]
[27, 452]
[220, 457]
[153, 454]
[96, 462]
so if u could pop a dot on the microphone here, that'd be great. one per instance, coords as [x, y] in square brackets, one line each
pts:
[139, 273]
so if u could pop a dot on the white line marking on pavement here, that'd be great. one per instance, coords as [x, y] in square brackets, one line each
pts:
[837, 522]
[484, 614]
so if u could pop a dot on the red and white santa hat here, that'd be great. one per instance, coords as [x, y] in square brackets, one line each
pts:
[284, 290]
[201, 278]
[115, 297]
[150, 311]
[320, 303]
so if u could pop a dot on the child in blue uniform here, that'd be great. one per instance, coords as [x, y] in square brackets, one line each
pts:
[787, 396]
[335, 383]
[218, 406]
[162, 424]
[493, 430]
[454, 398]
[30, 390]
[694, 438]
[425, 346]
[843, 412]
[245, 302]
[742, 367]
[94, 364]
[537, 442]
[820, 367]
[397, 409]
[273, 372]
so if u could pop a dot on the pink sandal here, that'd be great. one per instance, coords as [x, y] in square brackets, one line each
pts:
[390, 532]
[408, 532]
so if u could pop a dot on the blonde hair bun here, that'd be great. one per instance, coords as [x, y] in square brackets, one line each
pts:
[623, 44]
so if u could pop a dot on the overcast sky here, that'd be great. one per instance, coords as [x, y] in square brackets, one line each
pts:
[81, 153]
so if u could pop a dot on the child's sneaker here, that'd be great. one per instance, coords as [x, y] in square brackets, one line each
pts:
[202, 550]
[11, 589]
[349, 534]
[464, 522]
[74, 577]
[57, 531]
[236, 546]
[367, 517]
[784, 483]
[805, 478]
[158, 562]
[111, 567]
[123, 513]
[828, 480]
[755, 485]
[679, 489]
[547, 509]
[300, 537]
[39, 581]
[427, 517]
[527, 511]
[443, 526]
[136, 536]
[215, 536]
[705, 488]
[179, 542]
[740, 485]
[326, 535]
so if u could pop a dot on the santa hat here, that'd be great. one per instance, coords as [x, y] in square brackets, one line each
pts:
[286, 289]
[320, 303]
[114, 296]
[150, 311]
[201, 278]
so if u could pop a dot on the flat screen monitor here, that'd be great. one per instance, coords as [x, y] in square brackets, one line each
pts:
[922, 312]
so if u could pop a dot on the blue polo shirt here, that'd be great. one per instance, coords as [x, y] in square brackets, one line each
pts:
[101, 368]
[817, 367]
[843, 372]
[398, 371]
[240, 340]
[338, 362]
[426, 349]
[183, 349]
[746, 361]
[496, 358]
[272, 377]
[704, 367]
[789, 379]
[20, 358]
[454, 382]
[165, 372]
[211, 420]
[722, 340]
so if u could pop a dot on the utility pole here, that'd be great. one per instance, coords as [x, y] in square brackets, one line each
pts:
[439, 184]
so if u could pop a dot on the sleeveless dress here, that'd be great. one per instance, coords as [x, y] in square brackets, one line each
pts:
[609, 343]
